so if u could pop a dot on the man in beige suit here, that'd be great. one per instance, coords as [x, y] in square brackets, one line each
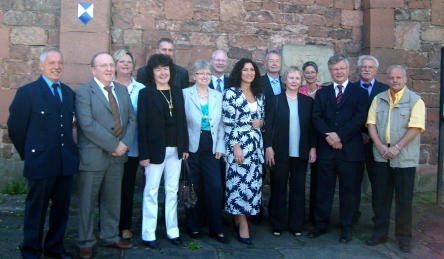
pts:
[106, 129]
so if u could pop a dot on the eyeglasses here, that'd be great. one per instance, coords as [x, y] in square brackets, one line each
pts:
[125, 62]
[203, 74]
[275, 61]
[368, 67]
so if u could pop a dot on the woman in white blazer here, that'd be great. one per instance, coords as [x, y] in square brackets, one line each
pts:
[203, 110]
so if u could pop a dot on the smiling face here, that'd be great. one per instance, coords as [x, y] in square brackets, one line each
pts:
[310, 75]
[202, 77]
[104, 69]
[161, 75]
[273, 64]
[339, 72]
[248, 73]
[368, 70]
[124, 65]
[219, 62]
[396, 80]
[52, 66]
[293, 81]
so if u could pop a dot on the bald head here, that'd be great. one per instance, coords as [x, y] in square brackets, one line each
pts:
[219, 62]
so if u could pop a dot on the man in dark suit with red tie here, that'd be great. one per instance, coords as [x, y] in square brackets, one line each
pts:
[40, 126]
[338, 115]
[368, 67]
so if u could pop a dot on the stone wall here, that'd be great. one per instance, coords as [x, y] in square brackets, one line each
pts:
[408, 32]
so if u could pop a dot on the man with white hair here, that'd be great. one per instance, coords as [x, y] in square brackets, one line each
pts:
[368, 67]
[218, 66]
[395, 119]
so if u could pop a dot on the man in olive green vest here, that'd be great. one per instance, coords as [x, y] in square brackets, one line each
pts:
[395, 119]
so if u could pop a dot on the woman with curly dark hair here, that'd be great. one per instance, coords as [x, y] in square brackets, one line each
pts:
[243, 115]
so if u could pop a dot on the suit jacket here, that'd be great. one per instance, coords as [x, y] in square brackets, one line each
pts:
[181, 78]
[151, 124]
[277, 124]
[266, 86]
[226, 83]
[345, 118]
[96, 125]
[41, 131]
[193, 113]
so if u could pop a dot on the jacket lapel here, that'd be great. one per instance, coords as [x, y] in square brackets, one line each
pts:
[95, 90]
[47, 95]
[331, 95]
[212, 97]
[346, 94]
[194, 96]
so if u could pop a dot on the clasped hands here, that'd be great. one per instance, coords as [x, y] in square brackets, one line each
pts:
[387, 152]
[120, 149]
[333, 140]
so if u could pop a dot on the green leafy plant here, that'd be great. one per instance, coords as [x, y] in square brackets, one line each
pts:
[193, 246]
[15, 187]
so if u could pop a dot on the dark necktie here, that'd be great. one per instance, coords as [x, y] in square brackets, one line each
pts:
[56, 94]
[218, 87]
[115, 111]
[339, 97]
[366, 85]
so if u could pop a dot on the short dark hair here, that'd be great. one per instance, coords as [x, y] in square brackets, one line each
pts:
[155, 61]
[310, 64]
[164, 40]
[236, 76]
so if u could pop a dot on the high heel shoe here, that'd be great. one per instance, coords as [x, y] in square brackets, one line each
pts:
[243, 240]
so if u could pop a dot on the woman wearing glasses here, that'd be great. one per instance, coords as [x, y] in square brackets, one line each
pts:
[203, 109]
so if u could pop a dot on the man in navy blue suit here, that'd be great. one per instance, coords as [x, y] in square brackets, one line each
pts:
[40, 126]
[338, 115]
[368, 67]
[219, 81]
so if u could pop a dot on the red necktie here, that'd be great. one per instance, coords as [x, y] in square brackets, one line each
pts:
[339, 97]
[115, 112]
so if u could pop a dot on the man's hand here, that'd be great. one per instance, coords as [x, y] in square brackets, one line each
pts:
[382, 150]
[185, 155]
[337, 145]
[269, 156]
[332, 139]
[120, 149]
[144, 163]
[392, 152]
[218, 155]
[365, 138]
[312, 155]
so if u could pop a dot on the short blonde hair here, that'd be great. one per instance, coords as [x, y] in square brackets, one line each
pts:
[122, 52]
[290, 70]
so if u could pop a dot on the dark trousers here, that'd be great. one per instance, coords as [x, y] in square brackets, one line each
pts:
[401, 180]
[40, 192]
[313, 189]
[328, 170]
[367, 164]
[205, 176]
[128, 183]
[293, 172]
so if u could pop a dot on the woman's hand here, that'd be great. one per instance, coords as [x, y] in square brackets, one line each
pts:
[144, 163]
[185, 155]
[269, 156]
[312, 155]
[218, 155]
[238, 154]
[257, 124]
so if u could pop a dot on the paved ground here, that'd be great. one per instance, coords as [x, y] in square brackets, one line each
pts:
[428, 239]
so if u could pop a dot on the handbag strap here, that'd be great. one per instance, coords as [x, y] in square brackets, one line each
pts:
[187, 169]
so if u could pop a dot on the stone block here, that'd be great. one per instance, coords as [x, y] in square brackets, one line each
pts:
[78, 47]
[99, 23]
[151, 37]
[378, 28]
[339, 34]
[416, 60]
[352, 18]
[252, 6]
[18, 52]
[357, 33]
[402, 14]
[75, 75]
[132, 37]
[115, 35]
[13, 67]
[437, 10]
[203, 39]
[326, 3]
[420, 73]
[45, 19]
[345, 4]
[431, 100]
[425, 86]
[16, 81]
[4, 42]
[206, 14]
[40, 5]
[238, 53]
[204, 3]
[431, 133]
[420, 15]
[313, 19]
[123, 18]
[179, 9]
[273, 6]
[291, 8]
[53, 37]
[6, 97]
[372, 4]
[317, 31]
[421, 4]
[32, 36]
[231, 10]
[388, 57]
[151, 7]
[433, 34]
[19, 18]
[303, 2]
[209, 26]
[35, 51]
[407, 35]
[248, 41]
[333, 18]
[259, 16]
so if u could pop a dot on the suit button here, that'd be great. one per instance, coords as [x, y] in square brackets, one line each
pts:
[63, 144]
[61, 125]
[61, 116]
[33, 150]
[42, 112]
[61, 135]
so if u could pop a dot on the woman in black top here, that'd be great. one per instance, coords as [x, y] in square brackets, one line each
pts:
[163, 142]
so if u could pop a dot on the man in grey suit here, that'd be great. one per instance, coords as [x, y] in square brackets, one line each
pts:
[106, 129]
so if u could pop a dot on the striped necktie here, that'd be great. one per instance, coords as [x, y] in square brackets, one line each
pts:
[218, 87]
[339, 97]
[115, 111]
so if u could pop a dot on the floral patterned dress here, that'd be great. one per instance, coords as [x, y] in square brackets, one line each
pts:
[243, 182]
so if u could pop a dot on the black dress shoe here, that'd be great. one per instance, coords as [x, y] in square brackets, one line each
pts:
[346, 236]
[373, 241]
[151, 244]
[404, 247]
[176, 241]
[194, 235]
[220, 239]
[62, 255]
[244, 240]
[316, 233]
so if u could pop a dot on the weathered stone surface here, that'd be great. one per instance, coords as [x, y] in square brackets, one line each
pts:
[420, 74]
[132, 37]
[433, 34]
[333, 18]
[357, 33]
[75, 75]
[178, 9]
[402, 14]
[339, 34]
[144, 22]
[123, 18]
[431, 100]
[15, 17]
[6, 97]
[420, 15]
[313, 19]
[203, 39]
[252, 6]
[259, 16]
[238, 53]
[41, 4]
[99, 23]
[28, 36]
[378, 28]
[425, 86]
[352, 18]
[382, 4]
[419, 4]
[78, 48]
[416, 60]
[206, 14]
[407, 35]
[290, 8]
[150, 7]
[231, 10]
[18, 67]
[115, 35]
[327, 3]
[345, 4]
[4, 42]
[209, 26]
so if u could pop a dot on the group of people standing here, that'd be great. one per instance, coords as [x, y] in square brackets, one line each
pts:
[230, 129]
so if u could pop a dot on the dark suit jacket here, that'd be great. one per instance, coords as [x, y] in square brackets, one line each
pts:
[226, 83]
[42, 132]
[181, 77]
[346, 119]
[266, 86]
[277, 125]
[151, 122]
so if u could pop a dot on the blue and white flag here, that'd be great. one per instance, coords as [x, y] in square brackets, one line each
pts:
[85, 12]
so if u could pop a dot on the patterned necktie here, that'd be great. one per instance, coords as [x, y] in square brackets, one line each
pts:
[218, 87]
[115, 111]
[339, 97]
[56, 94]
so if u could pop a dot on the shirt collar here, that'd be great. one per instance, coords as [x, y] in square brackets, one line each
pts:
[372, 83]
[49, 82]
[344, 85]
[102, 86]
[272, 79]
[398, 95]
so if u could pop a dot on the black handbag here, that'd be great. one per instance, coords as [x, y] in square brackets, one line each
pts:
[187, 195]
